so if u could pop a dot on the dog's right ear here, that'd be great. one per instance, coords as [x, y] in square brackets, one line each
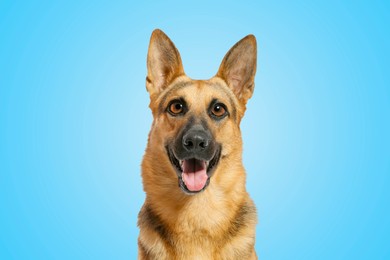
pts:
[164, 62]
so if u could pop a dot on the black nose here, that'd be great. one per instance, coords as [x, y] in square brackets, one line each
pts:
[195, 140]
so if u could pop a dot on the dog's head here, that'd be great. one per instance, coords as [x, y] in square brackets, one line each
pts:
[196, 122]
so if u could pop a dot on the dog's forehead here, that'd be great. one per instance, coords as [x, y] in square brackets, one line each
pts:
[195, 91]
[203, 90]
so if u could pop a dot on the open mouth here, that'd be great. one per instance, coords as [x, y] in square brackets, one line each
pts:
[193, 173]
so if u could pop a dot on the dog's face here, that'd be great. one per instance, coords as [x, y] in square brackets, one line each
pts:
[200, 119]
[196, 122]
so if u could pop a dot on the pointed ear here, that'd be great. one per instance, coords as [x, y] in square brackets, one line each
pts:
[238, 68]
[164, 62]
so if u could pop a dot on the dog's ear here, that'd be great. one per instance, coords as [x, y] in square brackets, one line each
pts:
[164, 62]
[238, 68]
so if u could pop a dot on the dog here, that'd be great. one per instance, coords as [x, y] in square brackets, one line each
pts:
[196, 204]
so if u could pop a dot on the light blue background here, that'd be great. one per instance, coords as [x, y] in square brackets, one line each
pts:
[74, 122]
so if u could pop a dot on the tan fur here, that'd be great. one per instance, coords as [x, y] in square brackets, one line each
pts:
[218, 223]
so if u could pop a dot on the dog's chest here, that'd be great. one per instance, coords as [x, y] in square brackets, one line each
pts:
[198, 236]
[194, 248]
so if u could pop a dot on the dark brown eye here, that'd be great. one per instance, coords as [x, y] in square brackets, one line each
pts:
[176, 107]
[218, 110]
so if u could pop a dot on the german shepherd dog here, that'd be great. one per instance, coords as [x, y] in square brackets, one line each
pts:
[196, 205]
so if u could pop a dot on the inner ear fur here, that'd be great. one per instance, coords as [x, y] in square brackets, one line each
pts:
[238, 68]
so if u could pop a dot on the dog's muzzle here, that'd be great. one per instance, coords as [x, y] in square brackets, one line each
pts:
[194, 155]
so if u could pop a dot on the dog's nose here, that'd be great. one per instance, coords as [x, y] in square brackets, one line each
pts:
[196, 140]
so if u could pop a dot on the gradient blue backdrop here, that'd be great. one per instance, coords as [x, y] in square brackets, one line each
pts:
[74, 122]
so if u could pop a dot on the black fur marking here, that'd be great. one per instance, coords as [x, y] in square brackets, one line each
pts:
[143, 251]
[148, 218]
[244, 213]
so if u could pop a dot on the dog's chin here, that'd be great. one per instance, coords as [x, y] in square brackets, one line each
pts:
[194, 173]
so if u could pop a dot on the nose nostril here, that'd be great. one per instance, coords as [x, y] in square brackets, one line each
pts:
[202, 144]
[188, 143]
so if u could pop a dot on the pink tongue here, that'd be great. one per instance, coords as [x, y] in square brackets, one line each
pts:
[194, 174]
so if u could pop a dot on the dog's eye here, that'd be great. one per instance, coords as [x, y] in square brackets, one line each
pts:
[176, 107]
[218, 110]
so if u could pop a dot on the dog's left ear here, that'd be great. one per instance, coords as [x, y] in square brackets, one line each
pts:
[238, 68]
[164, 62]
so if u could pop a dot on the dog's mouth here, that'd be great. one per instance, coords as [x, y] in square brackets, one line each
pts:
[193, 173]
